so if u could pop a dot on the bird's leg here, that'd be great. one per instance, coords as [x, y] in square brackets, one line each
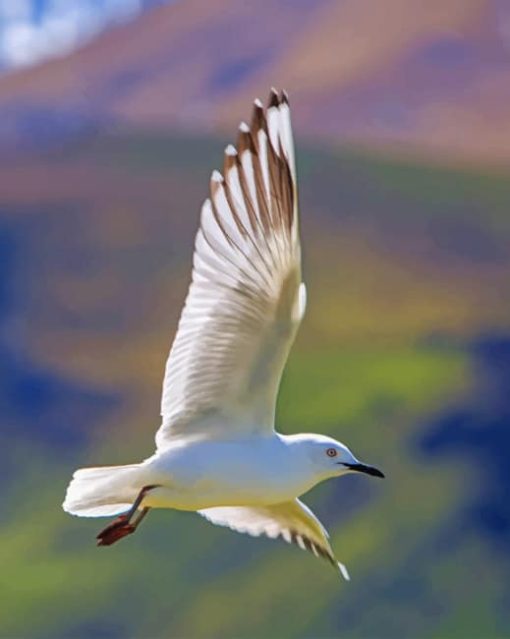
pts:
[122, 526]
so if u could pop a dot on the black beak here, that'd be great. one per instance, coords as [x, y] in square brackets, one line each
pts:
[365, 468]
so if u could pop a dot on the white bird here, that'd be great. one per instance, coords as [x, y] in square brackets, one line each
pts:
[217, 449]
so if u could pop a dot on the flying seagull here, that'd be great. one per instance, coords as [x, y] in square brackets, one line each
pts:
[217, 451]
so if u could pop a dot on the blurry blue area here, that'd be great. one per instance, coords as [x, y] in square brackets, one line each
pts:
[123, 81]
[232, 75]
[7, 256]
[448, 51]
[28, 126]
[479, 430]
[97, 628]
[464, 237]
[36, 403]
[39, 405]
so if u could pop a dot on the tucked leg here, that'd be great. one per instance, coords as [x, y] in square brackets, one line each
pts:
[123, 526]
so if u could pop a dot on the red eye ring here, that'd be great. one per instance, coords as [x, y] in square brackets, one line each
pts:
[331, 452]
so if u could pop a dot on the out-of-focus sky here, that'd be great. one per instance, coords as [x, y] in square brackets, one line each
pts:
[31, 30]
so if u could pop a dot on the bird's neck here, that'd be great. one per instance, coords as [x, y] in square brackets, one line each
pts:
[299, 448]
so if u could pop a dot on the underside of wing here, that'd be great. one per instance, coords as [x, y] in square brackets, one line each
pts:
[246, 297]
[292, 521]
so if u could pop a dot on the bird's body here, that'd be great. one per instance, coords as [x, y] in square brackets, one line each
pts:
[251, 471]
[217, 449]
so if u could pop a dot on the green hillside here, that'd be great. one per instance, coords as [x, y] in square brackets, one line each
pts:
[404, 353]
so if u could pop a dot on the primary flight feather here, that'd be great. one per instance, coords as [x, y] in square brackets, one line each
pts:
[217, 450]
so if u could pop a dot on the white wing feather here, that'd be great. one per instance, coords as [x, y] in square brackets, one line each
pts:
[246, 298]
[293, 521]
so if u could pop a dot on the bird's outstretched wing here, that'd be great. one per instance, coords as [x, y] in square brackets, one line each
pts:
[292, 520]
[246, 298]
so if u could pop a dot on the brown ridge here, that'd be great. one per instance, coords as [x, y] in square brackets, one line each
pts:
[274, 100]
[245, 142]
[246, 194]
[258, 119]
[228, 162]
[259, 180]
[276, 204]
[311, 545]
[214, 187]
[286, 185]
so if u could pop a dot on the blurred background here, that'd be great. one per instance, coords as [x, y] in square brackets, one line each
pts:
[112, 115]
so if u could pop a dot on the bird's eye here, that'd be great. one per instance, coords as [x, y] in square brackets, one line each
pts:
[331, 452]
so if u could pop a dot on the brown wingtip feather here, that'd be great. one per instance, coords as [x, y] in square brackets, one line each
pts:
[215, 182]
[258, 119]
[274, 99]
[312, 547]
[272, 203]
[284, 97]
[230, 158]
[244, 139]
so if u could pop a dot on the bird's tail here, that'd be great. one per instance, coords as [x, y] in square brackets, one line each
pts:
[102, 491]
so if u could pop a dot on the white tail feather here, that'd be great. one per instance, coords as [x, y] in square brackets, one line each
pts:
[102, 491]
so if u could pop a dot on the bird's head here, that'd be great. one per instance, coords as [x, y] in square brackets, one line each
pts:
[331, 458]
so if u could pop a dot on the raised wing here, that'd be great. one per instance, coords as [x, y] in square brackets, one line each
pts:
[246, 297]
[292, 520]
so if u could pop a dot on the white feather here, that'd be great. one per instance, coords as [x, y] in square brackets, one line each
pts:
[246, 298]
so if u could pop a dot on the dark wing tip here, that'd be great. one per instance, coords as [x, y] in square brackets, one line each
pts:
[316, 549]
[258, 120]
[274, 98]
